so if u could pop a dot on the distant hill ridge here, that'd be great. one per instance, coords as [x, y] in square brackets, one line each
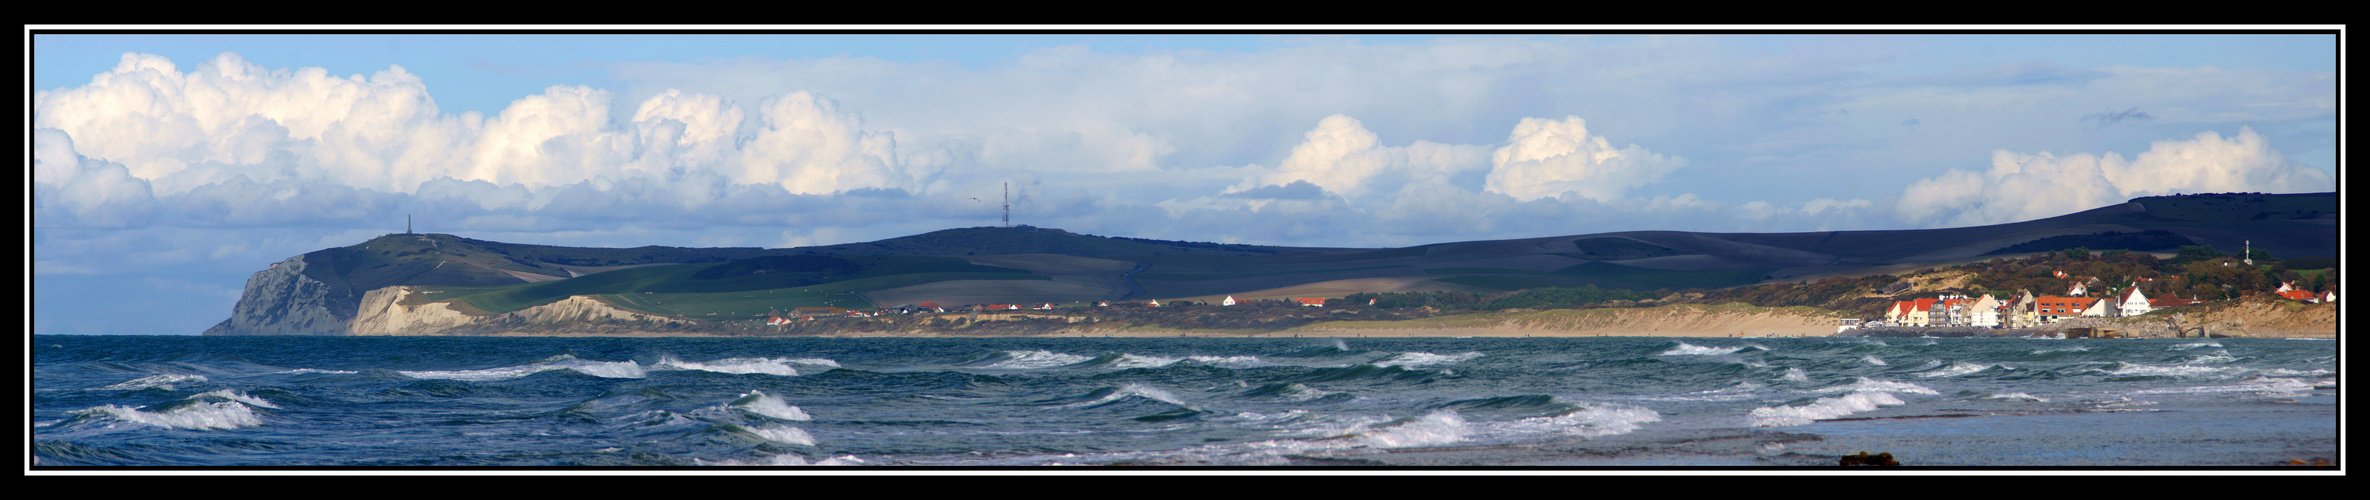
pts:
[321, 292]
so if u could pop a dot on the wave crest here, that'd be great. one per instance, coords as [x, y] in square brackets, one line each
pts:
[603, 369]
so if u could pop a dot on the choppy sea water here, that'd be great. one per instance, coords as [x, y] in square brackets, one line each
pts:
[965, 403]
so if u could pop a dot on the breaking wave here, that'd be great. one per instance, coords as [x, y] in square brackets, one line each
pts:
[164, 381]
[603, 369]
[1027, 360]
[744, 366]
[1821, 409]
[761, 403]
[199, 416]
[1423, 359]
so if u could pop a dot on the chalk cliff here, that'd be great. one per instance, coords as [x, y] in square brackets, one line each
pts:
[383, 313]
[579, 308]
[283, 300]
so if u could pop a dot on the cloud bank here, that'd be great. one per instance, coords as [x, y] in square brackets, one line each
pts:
[232, 144]
[2030, 186]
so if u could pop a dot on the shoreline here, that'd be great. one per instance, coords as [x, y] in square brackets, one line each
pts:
[1730, 320]
[1342, 333]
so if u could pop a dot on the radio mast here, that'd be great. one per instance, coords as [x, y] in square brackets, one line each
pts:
[1007, 204]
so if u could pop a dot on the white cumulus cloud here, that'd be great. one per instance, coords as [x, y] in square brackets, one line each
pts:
[1547, 158]
[1341, 156]
[808, 146]
[2031, 186]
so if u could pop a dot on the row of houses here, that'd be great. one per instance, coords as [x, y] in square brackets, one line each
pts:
[2027, 310]
[2290, 291]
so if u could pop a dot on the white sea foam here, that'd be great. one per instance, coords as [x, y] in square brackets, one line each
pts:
[1795, 374]
[2259, 385]
[1232, 361]
[2283, 372]
[1873, 385]
[1436, 428]
[783, 434]
[1023, 360]
[1132, 389]
[2178, 371]
[786, 459]
[1298, 392]
[1873, 360]
[1594, 421]
[163, 381]
[764, 404]
[745, 366]
[603, 369]
[1268, 419]
[1956, 368]
[304, 371]
[235, 396]
[1127, 361]
[1821, 409]
[2016, 396]
[200, 416]
[1686, 349]
[1423, 359]
[2194, 345]
[1739, 392]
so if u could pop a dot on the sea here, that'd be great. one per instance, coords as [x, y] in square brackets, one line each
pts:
[118, 402]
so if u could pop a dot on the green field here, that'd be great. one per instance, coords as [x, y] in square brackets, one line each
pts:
[1194, 276]
[1495, 282]
[1603, 274]
[681, 290]
[2232, 211]
[1638, 278]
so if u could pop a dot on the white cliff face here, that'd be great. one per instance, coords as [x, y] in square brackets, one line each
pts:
[383, 313]
[579, 308]
[281, 300]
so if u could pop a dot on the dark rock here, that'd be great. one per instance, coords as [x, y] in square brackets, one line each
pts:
[1880, 459]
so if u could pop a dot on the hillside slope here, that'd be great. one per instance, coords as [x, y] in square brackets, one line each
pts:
[321, 292]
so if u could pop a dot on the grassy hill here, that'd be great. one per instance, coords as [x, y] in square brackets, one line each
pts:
[982, 264]
[734, 289]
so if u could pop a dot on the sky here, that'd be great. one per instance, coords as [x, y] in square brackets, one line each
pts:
[167, 167]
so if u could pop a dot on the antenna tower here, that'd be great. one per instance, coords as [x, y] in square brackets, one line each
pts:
[1007, 204]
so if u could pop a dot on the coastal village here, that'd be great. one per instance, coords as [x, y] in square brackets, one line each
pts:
[2028, 311]
[2081, 298]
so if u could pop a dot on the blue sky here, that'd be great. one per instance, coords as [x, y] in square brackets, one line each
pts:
[168, 167]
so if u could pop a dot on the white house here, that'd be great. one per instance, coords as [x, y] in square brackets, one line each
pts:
[2098, 308]
[2133, 304]
[1228, 302]
[1984, 312]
